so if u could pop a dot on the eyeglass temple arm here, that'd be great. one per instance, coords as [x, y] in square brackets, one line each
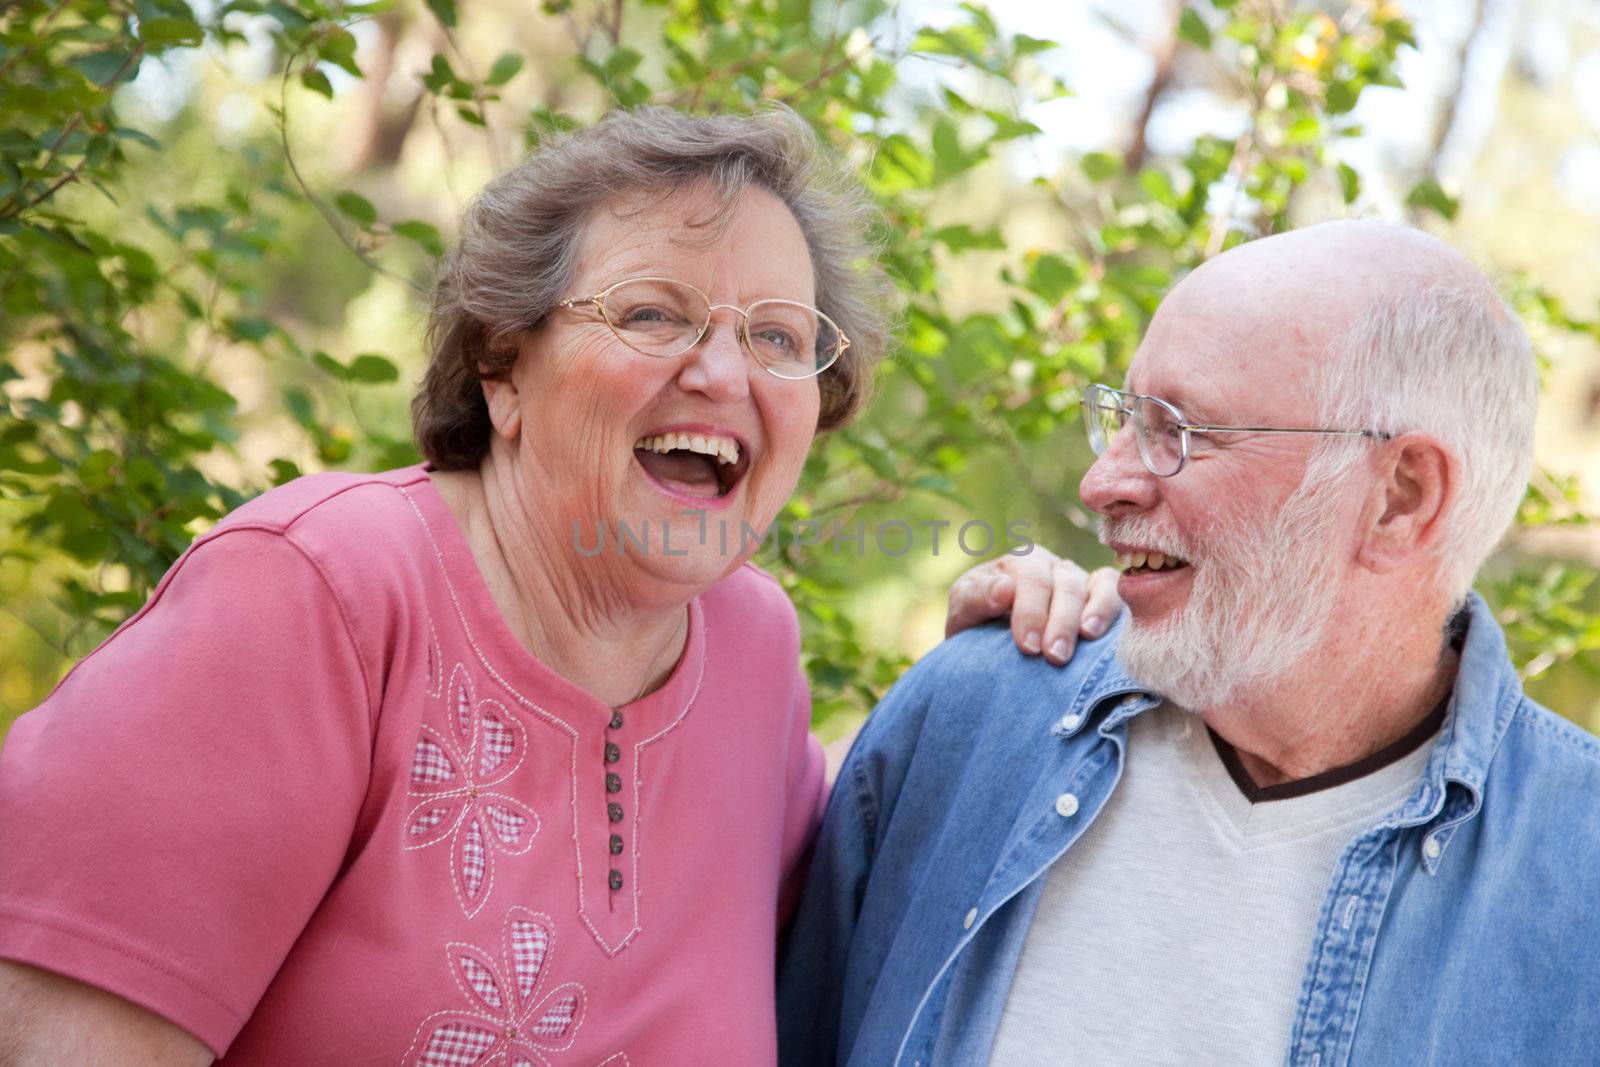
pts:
[1376, 435]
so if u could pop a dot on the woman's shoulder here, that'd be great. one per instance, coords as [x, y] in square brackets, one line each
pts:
[755, 601]
[335, 499]
[364, 534]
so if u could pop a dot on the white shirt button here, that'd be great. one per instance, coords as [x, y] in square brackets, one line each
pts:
[1066, 805]
[1070, 722]
[1431, 848]
[972, 917]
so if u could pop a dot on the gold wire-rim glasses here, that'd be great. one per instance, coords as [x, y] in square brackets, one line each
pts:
[597, 301]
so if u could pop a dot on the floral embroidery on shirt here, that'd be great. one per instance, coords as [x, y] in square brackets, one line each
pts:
[508, 1023]
[452, 771]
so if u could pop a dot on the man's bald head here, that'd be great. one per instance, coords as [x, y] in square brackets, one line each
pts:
[1377, 326]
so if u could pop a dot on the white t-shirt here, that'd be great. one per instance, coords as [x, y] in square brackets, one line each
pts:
[1176, 930]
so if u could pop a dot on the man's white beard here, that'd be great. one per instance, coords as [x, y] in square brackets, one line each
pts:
[1262, 597]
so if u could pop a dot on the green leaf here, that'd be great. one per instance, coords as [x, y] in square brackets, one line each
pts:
[298, 401]
[440, 76]
[288, 17]
[165, 32]
[1192, 28]
[284, 470]
[963, 238]
[317, 82]
[1349, 183]
[505, 68]
[128, 133]
[422, 233]
[370, 367]
[95, 472]
[1099, 166]
[444, 11]
[1304, 130]
[101, 67]
[357, 207]
[249, 328]
[1052, 277]
[329, 364]
[339, 48]
[1429, 194]
[949, 158]
[1023, 45]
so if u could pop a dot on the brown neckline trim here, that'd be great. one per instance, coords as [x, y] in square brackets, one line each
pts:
[1259, 794]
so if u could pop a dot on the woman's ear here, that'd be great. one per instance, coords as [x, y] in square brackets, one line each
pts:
[1410, 502]
[501, 396]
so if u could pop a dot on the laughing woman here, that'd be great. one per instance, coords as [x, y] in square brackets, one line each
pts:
[398, 768]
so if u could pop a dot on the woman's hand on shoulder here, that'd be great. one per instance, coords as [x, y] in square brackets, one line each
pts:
[1052, 601]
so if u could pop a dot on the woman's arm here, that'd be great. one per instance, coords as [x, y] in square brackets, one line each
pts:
[48, 1019]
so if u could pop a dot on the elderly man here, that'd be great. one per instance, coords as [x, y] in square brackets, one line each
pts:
[1295, 807]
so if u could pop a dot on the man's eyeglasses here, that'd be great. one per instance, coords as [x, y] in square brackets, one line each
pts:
[1160, 429]
[665, 318]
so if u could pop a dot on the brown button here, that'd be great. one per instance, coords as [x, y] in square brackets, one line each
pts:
[615, 880]
[613, 783]
[614, 811]
[616, 720]
[613, 753]
[616, 845]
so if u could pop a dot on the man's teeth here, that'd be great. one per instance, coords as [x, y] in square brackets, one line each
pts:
[1154, 561]
[725, 449]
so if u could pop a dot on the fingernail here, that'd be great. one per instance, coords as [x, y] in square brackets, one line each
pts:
[1059, 651]
[1030, 643]
[1094, 627]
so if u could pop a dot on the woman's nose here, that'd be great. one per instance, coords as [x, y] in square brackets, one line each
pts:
[719, 366]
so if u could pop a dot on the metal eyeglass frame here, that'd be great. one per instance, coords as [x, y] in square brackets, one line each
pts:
[1127, 407]
[598, 302]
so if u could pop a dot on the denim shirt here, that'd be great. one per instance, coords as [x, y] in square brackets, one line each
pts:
[1462, 926]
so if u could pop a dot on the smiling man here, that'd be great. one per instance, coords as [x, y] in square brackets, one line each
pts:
[1295, 807]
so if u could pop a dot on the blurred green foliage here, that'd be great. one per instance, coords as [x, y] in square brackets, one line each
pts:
[140, 285]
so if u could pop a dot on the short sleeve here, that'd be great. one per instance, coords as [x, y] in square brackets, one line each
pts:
[173, 814]
[807, 794]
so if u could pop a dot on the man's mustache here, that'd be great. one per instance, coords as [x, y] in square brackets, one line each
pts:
[1146, 533]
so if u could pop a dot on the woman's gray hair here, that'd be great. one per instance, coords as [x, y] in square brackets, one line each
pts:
[520, 241]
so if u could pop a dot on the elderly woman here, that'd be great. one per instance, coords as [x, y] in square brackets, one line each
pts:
[399, 767]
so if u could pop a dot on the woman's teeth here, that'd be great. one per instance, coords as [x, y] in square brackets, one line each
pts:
[724, 449]
[1153, 561]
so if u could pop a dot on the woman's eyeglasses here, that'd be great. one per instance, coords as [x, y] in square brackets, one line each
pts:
[665, 318]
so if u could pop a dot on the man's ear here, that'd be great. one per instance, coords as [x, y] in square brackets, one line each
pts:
[501, 397]
[1405, 514]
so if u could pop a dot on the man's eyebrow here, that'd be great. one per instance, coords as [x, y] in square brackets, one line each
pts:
[1195, 411]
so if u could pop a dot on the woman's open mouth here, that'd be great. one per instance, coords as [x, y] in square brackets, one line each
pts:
[702, 465]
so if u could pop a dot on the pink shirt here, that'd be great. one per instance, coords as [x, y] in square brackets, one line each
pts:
[316, 804]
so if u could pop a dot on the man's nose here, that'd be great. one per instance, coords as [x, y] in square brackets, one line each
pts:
[718, 367]
[1119, 483]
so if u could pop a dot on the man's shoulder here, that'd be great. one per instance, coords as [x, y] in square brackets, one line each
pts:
[1548, 752]
[980, 678]
[1541, 797]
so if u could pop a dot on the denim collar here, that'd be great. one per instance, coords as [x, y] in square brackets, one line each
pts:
[1486, 695]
